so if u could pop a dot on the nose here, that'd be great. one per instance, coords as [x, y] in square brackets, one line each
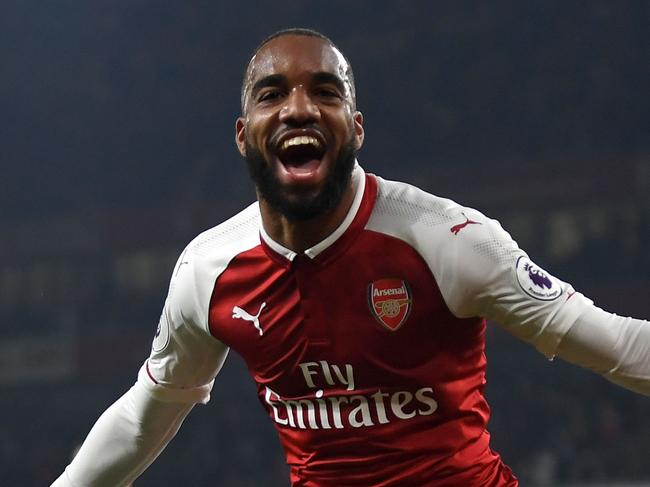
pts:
[299, 108]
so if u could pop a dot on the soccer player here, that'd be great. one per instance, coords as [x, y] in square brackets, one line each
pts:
[358, 304]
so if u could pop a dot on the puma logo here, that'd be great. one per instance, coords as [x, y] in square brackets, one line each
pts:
[457, 228]
[242, 314]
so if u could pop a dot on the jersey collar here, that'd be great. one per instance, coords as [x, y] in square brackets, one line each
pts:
[361, 199]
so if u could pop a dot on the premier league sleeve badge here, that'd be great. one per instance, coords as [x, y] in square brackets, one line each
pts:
[536, 282]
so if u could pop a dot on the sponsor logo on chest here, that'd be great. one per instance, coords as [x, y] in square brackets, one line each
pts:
[390, 302]
[333, 401]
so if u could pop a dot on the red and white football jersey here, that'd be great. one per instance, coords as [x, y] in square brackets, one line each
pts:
[368, 349]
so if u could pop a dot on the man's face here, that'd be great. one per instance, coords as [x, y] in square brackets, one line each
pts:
[300, 132]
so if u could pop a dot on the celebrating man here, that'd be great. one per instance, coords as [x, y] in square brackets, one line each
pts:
[358, 304]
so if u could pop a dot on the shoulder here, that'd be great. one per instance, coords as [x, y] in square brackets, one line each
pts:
[463, 248]
[231, 236]
[205, 258]
[405, 200]
[412, 214]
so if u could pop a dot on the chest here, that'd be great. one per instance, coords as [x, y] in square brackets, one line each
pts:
[372, 317]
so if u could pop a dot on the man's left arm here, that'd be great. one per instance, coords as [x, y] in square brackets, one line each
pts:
[614, 346]
[487, 274]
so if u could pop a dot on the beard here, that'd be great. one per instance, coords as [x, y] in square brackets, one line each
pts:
[302, 205]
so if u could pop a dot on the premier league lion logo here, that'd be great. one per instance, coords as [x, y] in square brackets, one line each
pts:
[536, 282]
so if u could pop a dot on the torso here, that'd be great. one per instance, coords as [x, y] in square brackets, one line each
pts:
[365, 372]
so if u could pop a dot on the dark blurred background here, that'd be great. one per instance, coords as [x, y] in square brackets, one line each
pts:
[116, 148]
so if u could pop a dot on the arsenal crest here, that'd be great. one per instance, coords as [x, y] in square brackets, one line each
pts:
[390, 302]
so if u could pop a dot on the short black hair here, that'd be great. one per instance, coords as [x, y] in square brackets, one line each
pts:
[296, 31]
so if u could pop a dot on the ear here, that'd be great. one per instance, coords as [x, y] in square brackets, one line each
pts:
[240, 135]
[357, 119]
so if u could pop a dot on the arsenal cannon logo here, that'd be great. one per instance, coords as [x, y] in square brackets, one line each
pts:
[390, 302]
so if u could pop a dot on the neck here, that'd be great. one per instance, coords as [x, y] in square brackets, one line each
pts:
[302, 235]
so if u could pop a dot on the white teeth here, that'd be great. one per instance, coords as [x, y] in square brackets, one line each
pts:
[300, 140]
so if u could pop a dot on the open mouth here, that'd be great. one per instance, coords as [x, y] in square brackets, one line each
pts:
[301, 155]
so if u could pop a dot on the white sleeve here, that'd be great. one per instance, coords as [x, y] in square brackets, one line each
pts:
[486, 274]
[180, 372]
[614, 346]
[185, 358]
[482, 271]
[124, 440]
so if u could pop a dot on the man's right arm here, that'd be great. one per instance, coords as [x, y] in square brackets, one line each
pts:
[185, 358]
[125, 440]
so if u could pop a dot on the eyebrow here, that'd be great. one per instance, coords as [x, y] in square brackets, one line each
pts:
[323, 77]
[270, 80]
[320, 77]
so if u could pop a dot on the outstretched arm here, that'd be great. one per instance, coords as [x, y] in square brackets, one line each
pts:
[484, 273]
[185, 358]
[125, 439]
[614, 346]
